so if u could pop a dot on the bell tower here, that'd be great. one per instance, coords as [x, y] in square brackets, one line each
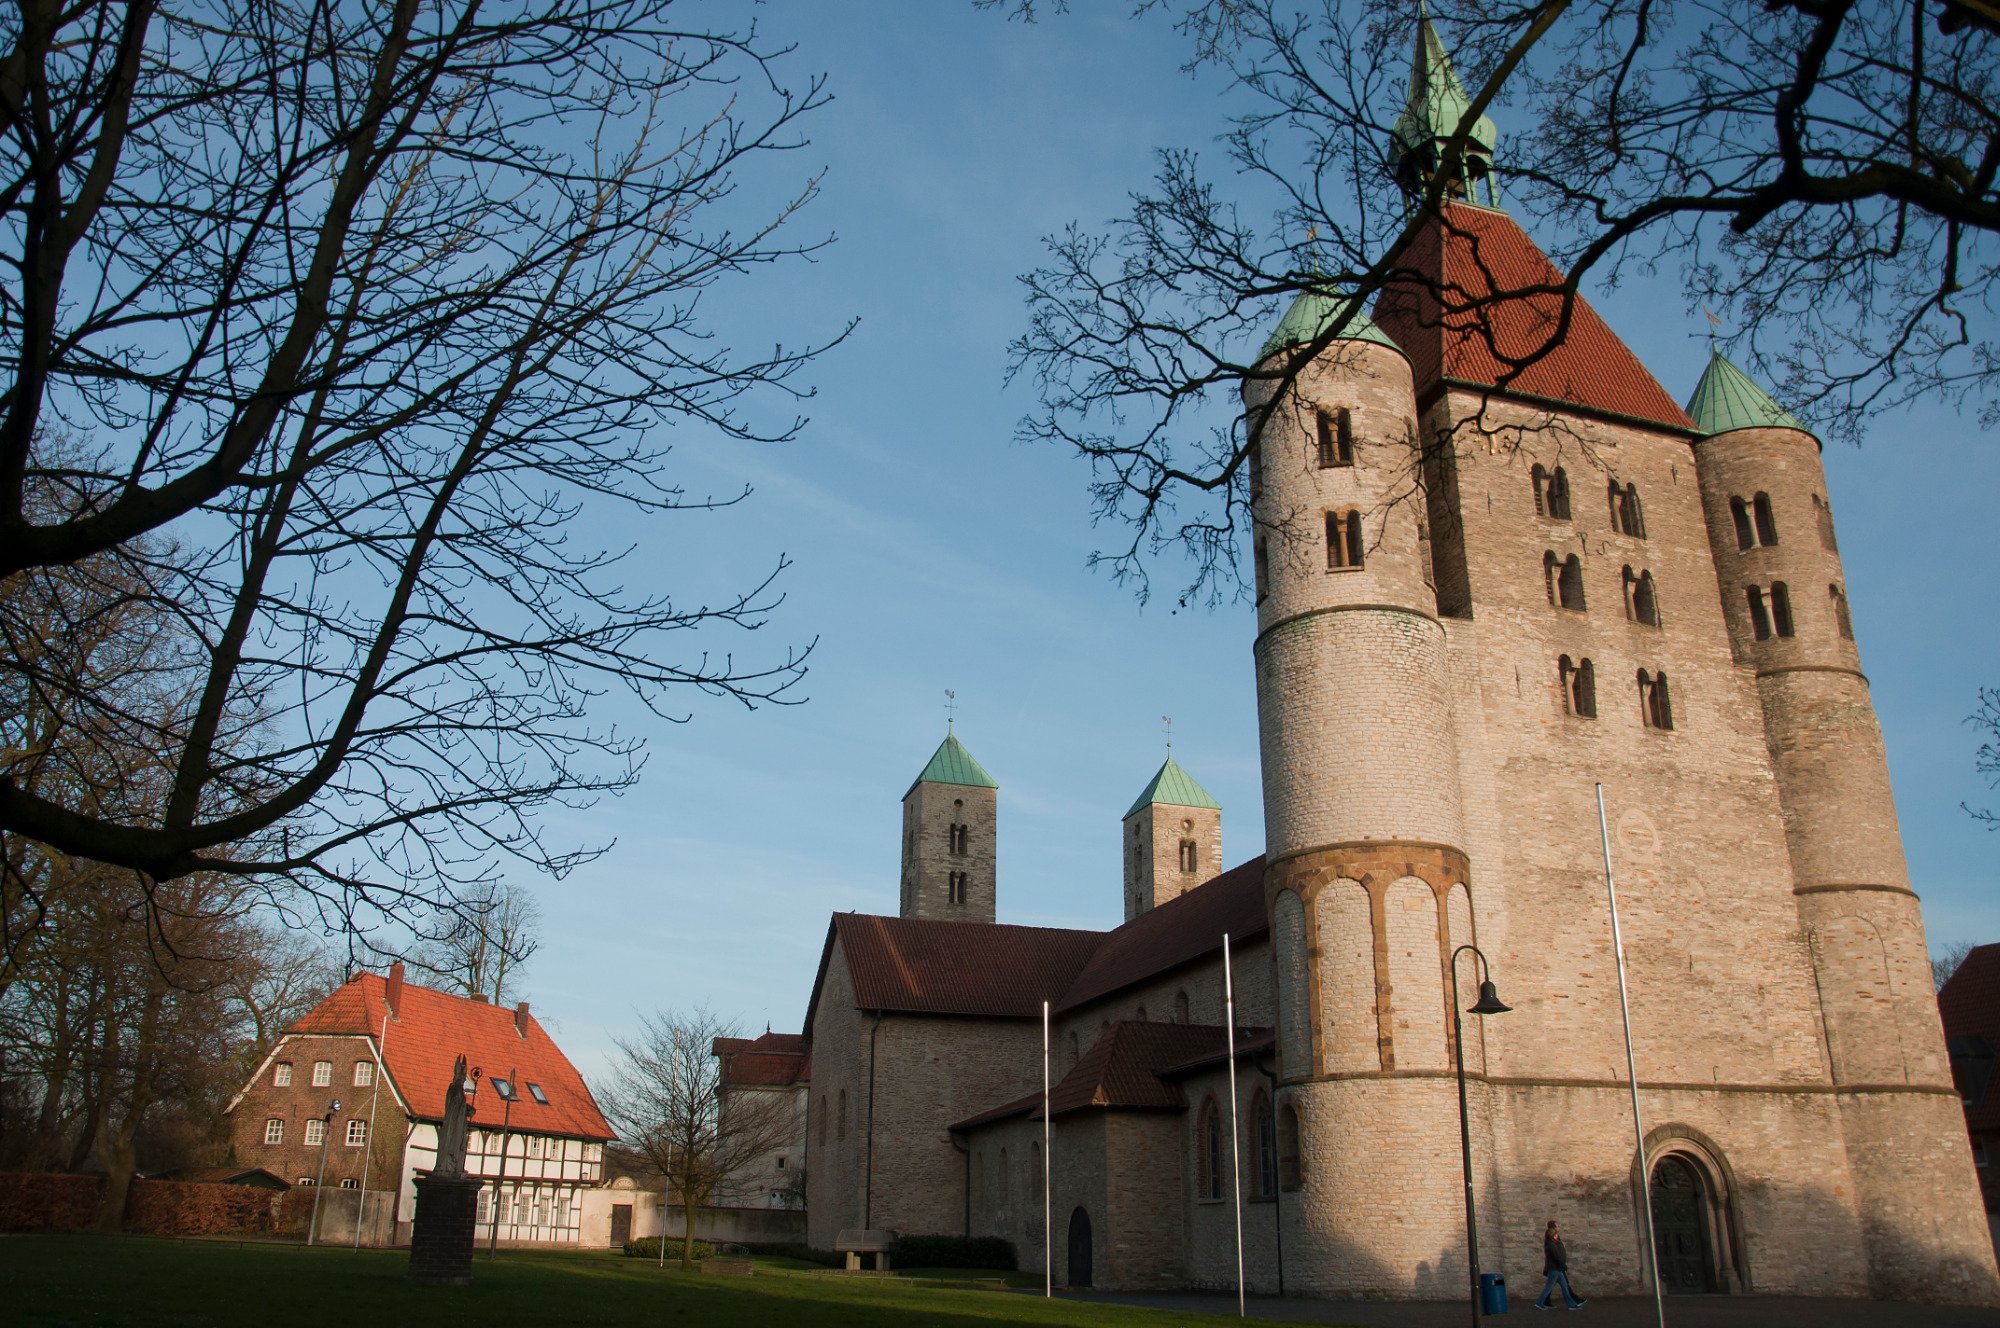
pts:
[950, 825]
[1172, 839]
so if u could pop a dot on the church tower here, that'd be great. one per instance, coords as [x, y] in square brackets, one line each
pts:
[1172, 839]
[950, 821]
[1784, 596]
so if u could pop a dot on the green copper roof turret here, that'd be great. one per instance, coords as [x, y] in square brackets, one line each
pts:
[952, 764]
[1437, 104]
[1313, 313]
[1174, 787]
[1726, 398]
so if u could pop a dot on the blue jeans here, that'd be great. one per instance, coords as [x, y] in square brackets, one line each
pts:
[1557, 1278]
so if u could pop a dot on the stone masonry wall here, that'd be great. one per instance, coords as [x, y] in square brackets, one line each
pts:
[929, 812]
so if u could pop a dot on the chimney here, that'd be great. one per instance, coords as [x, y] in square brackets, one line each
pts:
[521, 1019]
[395, 992]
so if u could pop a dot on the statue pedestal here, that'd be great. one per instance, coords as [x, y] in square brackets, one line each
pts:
[441, 1237]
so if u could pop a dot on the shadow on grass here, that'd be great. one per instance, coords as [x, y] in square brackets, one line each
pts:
[116, 1282]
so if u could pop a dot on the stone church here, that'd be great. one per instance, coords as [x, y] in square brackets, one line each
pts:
[1491, 573]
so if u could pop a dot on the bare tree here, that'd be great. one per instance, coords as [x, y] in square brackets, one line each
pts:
[352, 312]
[667, 1102]
[1986, 719]
[1820, 173]
[1945, 962]
[481, 947]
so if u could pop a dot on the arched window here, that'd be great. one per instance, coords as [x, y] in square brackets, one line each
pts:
[1760, 617]
[1540, 477]
[1823, 518]
[1579, 684]
[1006, 1185]
[1189, 856]
[1264, 1144]
[1641, 603]
[1627, 517]
[1767, 526]
[1140, 1014]
[1261, 569]
[1569, 583]
[1180, 1007]
[1208, 1145]
[822, 1120]
[956, 887]
[960, 833]
[1739, 512]
[840, 1117]
[1781, 608]
[1656, 709]
[1288, 1147]
[1073, 1053]
[1558, 495]
[1336, 437]
[1256, 472]
[1841, 618]
[1035, 1168]
[1551, 571]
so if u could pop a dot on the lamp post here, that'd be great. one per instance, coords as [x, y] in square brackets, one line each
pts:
[505, 1088]
[1488, 1003]
[325, 1130]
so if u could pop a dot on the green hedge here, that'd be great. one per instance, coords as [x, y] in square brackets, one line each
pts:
[648, 1247]
[954, 1252]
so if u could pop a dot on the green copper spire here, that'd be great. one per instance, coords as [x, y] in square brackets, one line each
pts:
[1726, 398]
[1313, 313]
[952, 764]
[1175, 787]
[1437, 105]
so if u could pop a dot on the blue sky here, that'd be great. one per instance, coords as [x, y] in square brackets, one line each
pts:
[932, 551]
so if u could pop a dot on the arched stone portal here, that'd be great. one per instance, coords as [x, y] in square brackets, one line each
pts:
[1079, 1248]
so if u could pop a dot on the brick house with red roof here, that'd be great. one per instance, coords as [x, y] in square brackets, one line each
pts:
[1969, 1003]
[383, 1049]
[1499, 570]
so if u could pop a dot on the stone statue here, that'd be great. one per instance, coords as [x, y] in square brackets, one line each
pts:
[451, 1134]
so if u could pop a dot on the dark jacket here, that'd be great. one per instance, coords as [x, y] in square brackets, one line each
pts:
[1555, 1259]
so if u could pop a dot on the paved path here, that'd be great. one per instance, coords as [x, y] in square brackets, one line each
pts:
[1616, 1312]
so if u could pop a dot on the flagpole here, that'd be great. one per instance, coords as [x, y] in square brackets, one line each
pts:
[1235, 1133]
[361, 1203]
[1631, 1070]
[1048, 1199]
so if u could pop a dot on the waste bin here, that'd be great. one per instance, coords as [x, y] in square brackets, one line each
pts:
[1492, 1293]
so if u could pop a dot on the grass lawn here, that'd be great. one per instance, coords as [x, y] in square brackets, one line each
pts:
[116, 1282]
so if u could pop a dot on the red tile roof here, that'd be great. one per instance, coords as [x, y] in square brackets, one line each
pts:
[432, 1028]
[1130, 1068]
[771, 1060]
[1969, 1005]
[920, 966]
[1178, 931]
[1462, 316]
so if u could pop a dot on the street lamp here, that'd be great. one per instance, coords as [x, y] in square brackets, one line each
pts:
[1488, 1003]
[325, 1131]
[505, 1088]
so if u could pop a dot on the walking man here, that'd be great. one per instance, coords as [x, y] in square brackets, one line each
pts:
[1555, 1267]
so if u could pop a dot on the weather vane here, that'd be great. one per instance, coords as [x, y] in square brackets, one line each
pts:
[950, 708]
[1167, 722]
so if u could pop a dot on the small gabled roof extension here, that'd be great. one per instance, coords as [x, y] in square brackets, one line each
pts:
[1133, 1066]
[1175, 787]
[771, 1060]
[1726, 398]
[1452, 314]
[431, 1029]
[952, 764]
[1177, 932]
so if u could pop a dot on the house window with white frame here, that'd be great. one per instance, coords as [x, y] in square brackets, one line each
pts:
[357, 1133]
[315, 1132]
[322, 1073]
[281, 1075]
[274, 1131]
[350, 1184]
[364, 1073]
